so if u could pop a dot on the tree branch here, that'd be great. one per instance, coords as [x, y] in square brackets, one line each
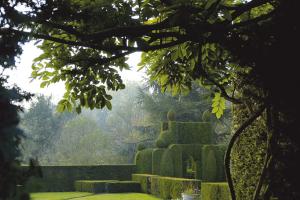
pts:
[235, 136]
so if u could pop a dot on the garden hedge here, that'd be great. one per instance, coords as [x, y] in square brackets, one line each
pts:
[170, 187]
[62, 178]
[107, 186]
[144, 180]
[143, 161]
[156, 160]
[213, 163]
[215, 191]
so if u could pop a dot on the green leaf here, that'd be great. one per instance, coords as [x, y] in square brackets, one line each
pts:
[209, 4]
[108, 105]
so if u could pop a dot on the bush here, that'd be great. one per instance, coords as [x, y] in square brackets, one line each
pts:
[141, 147]
[62, 178]
[215, 191]
[170, 187]
[144, 180]
[165, 139]
[191, 132]
[213, 163]
[107, 186]
[143, 161]
[167, 163]
[171, 115]
[156, 160]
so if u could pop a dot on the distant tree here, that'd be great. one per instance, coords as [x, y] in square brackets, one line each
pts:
[42, 128]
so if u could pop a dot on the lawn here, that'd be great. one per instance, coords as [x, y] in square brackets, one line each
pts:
[90, 196]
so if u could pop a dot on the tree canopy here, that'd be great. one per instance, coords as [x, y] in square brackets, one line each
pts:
[244, 50]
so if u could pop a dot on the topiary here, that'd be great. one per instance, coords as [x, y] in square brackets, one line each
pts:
[171, 115]
[206, 116]
[165, 139]
[141, 147]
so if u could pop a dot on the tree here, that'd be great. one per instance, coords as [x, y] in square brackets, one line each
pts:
[237, 47]
[42, 129]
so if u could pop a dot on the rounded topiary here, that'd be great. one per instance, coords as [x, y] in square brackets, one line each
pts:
[171, 115]
[141, 147]
[164, 139]
[206, 116]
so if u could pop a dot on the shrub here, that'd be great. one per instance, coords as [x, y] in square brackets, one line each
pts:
[144, 180]
[215, 191]
[143, 161]
[167, 165]
[170, 187]
[213, 163]
[164, 139]
[141, 147]
[171, 115]
[156, 160]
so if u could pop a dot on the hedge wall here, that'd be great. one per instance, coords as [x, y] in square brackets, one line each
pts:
[156, 160]
[143, 161]
[170, 187]
[192, 132]
[62, 178]
[107, 186]
[144, 180]
[213, 163]
[215, 191]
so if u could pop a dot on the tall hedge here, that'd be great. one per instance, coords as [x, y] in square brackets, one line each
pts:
[213, 163]
[156, 160]
[167, 166]
[192, 132]
[247, 155]
[215, 191]
[62, 178]
[143, 161]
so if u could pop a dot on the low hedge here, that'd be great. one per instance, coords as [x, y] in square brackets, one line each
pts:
[62, 178]
[93, 186]
[170, 187]
[107, 186]
[123, 186]
[215, 191]
[144, 180]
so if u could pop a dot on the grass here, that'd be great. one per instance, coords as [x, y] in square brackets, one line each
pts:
[90, 196]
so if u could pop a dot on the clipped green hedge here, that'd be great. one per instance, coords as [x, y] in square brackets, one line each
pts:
[123, 186]
[107, 186]
[167, 166]
[156, 159]
[164, 139]
[215, 191]
[143, 161]
[93, 186]
[191, 132]
[144, 180]
[170, 187]
[62, 178]
[213, 163]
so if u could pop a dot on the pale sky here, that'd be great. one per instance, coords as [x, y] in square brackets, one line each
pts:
[21, 75]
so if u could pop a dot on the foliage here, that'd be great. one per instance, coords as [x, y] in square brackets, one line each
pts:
[89, 196]
[171, 188]
[215, 191]
[143, 161]
[220, 44]
[42, 129]
[107, 186]
[62, 178]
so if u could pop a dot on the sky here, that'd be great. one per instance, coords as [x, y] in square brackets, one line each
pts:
[21, 74]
